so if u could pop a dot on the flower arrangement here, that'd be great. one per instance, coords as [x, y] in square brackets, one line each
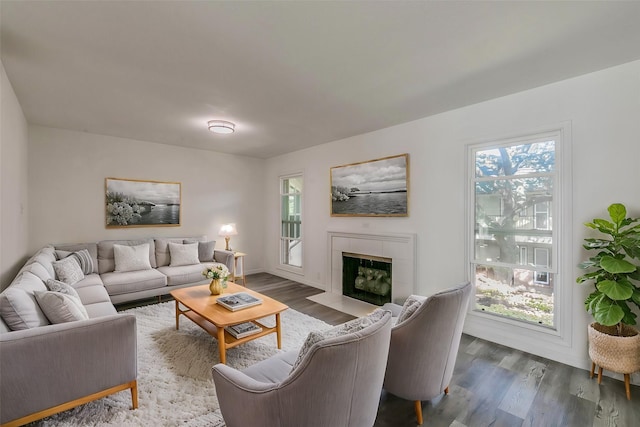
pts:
[219, 271]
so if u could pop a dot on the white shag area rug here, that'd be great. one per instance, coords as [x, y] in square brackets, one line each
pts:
[175, 387]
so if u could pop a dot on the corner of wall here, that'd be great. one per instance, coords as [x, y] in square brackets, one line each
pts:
[13, 182]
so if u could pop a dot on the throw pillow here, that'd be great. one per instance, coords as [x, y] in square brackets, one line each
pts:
[68, 270]
[82, 256]
[18, 306]
[205, 249]
[60, 308]
[183, 254]
[131, 258]
[63, 288]
[339, 330]
[410, 306]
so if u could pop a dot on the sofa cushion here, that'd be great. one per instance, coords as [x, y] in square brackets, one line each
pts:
[205, 249]
[60, 308]
[184, 274]
[183, 254]
[163, 257]
[92, 248]
[38, 269]
[93, 294]
[132, 281]
[63, 288]
[3, 326]
[349, 327]
[82, 256]
[45, 257]
[100, 309]
[106, 256]
[89, 280]
[131, 258]
[68, 270]
[18, 306]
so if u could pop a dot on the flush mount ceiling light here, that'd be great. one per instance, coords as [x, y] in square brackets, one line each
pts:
[221, 126]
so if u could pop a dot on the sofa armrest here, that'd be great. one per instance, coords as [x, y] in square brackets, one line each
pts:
[50, 365]
[225, 257]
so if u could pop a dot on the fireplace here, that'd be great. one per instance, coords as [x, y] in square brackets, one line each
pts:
[366, 278]
[398, 248]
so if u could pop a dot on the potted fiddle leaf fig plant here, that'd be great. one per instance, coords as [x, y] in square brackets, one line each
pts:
[614, 343]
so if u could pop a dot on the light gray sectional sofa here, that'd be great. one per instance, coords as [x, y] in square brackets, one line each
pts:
[159, 280]
[47, 368]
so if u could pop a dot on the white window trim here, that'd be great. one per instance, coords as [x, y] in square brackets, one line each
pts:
[286, 267]
[522, 335]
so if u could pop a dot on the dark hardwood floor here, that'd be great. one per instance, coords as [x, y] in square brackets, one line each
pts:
[492, 385]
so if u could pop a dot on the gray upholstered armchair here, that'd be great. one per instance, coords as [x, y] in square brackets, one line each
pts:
[424, 345]
[337, 382]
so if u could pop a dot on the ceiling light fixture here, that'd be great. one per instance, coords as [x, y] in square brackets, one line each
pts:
[221, 126]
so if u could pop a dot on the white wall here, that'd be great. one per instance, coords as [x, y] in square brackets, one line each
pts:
[67, 172]
[13, 183]
[603, 109]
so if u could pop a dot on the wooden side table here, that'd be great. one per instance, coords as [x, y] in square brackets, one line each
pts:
[239, 261]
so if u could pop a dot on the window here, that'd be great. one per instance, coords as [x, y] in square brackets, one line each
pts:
[541, 259]
[524, 255]
[514, 191]
[291, 221]
[541, 216]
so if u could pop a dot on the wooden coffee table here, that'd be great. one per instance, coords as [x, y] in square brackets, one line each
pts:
[202, 309]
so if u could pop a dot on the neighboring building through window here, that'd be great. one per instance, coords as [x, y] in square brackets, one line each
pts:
[514, 188]
[541, 259]
[291, 221]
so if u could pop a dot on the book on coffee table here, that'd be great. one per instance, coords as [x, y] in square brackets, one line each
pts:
[243, 329]
[238, 301]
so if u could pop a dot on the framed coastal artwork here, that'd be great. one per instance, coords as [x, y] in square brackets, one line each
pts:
[136, 203]
[377, 187]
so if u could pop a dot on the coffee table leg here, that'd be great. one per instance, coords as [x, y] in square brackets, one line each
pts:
[221, 346]
[177, 316]
[278, 330]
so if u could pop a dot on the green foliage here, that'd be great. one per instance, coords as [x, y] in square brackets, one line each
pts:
[520, 313]
[614, 271]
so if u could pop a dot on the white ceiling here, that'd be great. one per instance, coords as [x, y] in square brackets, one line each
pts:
[292, 74]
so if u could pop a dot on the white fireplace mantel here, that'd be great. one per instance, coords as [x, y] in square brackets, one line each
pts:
[400, 247]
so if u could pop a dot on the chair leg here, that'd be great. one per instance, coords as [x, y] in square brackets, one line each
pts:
[593, 370]
[418, 407]
[446, 390]
[627, 387]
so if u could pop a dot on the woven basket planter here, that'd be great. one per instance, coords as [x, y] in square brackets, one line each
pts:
[619, 354]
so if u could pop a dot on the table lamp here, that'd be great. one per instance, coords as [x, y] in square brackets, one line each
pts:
[226, 231]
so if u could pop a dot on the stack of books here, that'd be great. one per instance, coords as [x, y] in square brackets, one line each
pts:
[243, 329]
[238, 301]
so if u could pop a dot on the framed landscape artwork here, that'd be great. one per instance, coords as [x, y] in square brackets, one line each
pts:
[136, 203]
[377, 187]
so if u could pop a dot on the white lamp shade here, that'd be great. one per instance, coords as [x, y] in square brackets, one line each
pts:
[228, 230]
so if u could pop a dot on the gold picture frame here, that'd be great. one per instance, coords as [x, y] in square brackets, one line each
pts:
[378, 187]
[138, 203]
